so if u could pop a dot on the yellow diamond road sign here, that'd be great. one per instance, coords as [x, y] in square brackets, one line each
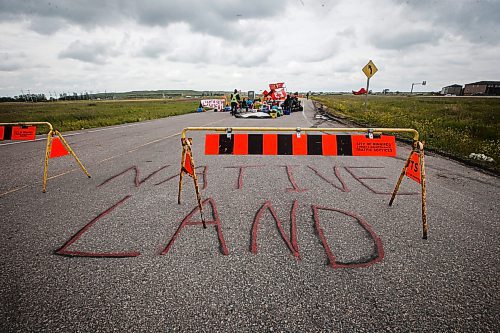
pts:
[370, 69]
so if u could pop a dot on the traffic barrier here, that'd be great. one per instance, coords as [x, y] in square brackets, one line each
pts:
[56, 145]
[305, 144]
[372, 142]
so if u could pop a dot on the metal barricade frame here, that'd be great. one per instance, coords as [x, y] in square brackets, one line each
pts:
[417, 147]
[52, 132]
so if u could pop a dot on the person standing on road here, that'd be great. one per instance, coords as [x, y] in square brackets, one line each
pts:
[287, 105]
[307, 95]
[244, 104]
[235, 100]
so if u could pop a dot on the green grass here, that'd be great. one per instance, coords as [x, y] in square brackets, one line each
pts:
[75, 115]
[457, 126]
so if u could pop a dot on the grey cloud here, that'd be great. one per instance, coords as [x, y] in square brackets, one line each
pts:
[9, 67]
[400, 40]
[152, 50]
[251, 59]
[95, 53]
[10, 62]
[477, 21]
[46, 25]
[348, 33]
[59, 13]
[212, 17]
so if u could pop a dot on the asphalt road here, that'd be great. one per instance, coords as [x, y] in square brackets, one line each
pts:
[449, 282]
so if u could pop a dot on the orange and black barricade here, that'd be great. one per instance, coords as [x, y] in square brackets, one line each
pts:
[307, 141]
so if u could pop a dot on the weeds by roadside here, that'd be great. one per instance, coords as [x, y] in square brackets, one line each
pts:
[75, 115]
[457, 126]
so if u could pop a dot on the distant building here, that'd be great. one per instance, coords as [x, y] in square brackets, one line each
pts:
[454, 89]
[490, 88]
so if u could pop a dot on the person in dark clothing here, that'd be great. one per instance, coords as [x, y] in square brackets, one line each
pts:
[287, 104]
[244, 104]
[235, 100]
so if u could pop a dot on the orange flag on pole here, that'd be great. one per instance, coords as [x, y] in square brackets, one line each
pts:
[413, 170]
[58, 148]
[188, 164]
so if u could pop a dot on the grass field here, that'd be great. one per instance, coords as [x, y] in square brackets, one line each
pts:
[455, 125]
[75, 115]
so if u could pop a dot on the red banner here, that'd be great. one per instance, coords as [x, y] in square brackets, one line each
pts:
[1, 132]
[278, 85]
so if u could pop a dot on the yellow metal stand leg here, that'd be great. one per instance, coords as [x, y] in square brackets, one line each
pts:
[186, 150]
[196, 187]
[396, 188]
[48, 148]
[181, 173]
[72, 153]
[425, 227]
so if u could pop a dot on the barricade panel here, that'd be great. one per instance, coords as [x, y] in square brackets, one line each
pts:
[293, 144]
[371, 143]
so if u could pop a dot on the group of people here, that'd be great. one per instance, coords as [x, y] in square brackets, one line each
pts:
[238, 103]
[291, 102]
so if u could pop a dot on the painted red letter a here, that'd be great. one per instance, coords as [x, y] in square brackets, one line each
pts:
[187, 221]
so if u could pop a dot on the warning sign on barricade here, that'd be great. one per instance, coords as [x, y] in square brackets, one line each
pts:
[56, 145]
[302, 142]
[384, 145]
[23, 133]
[18, 133]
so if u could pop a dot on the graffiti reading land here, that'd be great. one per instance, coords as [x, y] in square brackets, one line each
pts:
[338, 183]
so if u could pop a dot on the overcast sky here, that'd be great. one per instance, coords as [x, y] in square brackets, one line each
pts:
[317, 45]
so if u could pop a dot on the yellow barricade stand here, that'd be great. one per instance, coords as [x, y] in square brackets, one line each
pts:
[52, 132]
[416, 158]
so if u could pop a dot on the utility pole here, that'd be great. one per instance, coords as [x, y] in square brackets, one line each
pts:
[414, 84]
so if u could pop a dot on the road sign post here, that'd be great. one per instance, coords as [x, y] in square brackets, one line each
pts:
[370, 69]
[367, 87]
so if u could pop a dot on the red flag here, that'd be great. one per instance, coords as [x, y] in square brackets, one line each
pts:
[58, 149]
[361, 91]
[187, 167]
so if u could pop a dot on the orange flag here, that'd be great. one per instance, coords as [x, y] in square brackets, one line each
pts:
[413, 171]
[58, 148]
[187, 167]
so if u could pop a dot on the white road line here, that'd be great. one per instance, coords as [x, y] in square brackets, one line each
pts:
[303, 114]
[44, 136]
